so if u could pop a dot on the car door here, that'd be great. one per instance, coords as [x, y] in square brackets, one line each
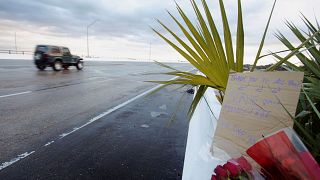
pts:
[66, 55]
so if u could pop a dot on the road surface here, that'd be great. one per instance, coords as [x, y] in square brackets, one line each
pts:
[90, 124]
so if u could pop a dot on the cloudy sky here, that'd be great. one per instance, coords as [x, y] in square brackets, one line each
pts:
[123, 29]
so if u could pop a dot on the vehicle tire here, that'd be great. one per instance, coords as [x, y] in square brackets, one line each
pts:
[79, 65]
[65, 67]
[57, 66]
[41, 67]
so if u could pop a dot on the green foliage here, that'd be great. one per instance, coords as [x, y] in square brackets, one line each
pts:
[307, 121]
[205, 50]
[262, 40]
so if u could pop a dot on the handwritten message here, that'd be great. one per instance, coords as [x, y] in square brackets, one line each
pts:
[253, 107]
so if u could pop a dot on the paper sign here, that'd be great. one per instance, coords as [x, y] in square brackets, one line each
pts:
[252, 108]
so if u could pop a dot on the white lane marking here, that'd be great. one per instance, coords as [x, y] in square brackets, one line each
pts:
[145, 126]
[163, 107]
[48, 143]
[15, 94]
[21, 156]
[110, 111]
[155, 114]
[116, 108]
[27, 92]
[92, 78]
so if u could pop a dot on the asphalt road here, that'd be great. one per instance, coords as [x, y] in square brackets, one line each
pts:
[90, 124]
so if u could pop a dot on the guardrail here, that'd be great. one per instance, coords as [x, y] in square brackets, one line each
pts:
[8, 51]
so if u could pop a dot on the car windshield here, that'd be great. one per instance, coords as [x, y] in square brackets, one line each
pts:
[42, 48]
[66, 51]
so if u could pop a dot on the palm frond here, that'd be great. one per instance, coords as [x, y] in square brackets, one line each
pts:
[307, 122]
[240, 41]
[200, 92]
[227, 36]
[263, 39]
[292, 53]
[312, 105]
[204, 49]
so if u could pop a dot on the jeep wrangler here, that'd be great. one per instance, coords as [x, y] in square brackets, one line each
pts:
[57, 57]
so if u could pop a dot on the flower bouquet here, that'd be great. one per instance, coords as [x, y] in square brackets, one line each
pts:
[281, 155]
[236, 168]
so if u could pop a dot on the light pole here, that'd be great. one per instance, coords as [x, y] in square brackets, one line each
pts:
[150, 51]
[15, 41]
[88, 35]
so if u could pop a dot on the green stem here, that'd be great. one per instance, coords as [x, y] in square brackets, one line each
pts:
[262, 40]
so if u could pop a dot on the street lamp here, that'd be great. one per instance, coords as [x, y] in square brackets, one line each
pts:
[88, 35]
[150, 51]
[15, 42]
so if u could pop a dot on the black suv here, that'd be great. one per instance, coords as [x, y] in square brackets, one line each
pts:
[57, 57]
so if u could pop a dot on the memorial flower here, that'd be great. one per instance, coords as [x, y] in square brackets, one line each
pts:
[221, 172]
[233, 169]
[243, 163]
[280, 156]
[283, 156]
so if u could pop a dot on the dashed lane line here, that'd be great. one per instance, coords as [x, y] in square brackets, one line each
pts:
[54, 87]
[14, 160]
[15, 94]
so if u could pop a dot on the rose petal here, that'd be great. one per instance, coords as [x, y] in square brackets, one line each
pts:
[245, 165]
[234, 169]
[213, 177]
[221, 172]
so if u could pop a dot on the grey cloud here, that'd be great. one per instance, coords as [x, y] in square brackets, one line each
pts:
[71, 17]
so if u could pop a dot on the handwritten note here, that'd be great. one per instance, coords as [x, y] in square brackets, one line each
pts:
[253, 106]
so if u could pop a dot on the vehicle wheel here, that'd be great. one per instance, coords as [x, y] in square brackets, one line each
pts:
[65, 67]
[79, 65]
[41, 67]
[57, 66]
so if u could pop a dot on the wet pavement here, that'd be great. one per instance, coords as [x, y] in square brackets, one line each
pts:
[135, 141]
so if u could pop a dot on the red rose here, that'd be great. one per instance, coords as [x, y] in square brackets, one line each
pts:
[213, 177]
[221, 173]
[288, 162]
[245, 165]
[234, 169]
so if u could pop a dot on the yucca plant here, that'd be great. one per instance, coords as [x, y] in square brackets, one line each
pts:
[307, 121]
[205, 50]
